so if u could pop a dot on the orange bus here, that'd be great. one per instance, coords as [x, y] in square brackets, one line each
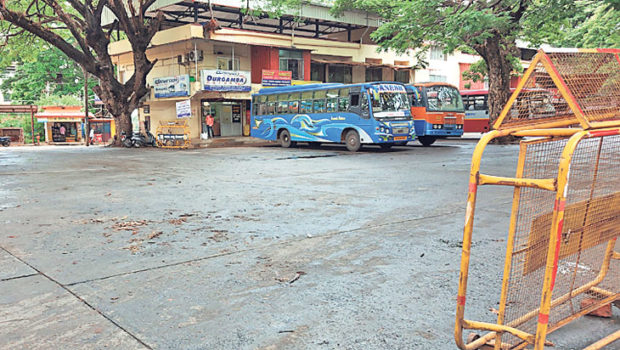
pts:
[437, 110]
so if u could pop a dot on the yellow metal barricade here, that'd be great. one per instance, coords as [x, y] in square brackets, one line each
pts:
[561, 255]
[173, 134]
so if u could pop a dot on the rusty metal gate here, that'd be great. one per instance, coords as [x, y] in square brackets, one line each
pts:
[561, 253]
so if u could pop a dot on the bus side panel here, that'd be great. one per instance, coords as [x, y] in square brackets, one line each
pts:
[324, 127]
[476, 121]
[265, 127]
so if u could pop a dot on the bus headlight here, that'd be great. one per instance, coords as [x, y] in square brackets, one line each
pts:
[459, 126]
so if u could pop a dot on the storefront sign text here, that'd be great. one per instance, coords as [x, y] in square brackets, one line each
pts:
[184, 109]
[277, 78]
[171, 86]
[225, 80]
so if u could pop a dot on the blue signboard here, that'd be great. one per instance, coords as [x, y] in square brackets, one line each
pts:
[225, 80]
[171, 86]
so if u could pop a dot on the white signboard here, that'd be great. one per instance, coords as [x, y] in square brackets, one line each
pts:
[226, 80]
[184, 109]
[171, 86]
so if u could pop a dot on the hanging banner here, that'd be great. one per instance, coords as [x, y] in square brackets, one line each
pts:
[276, 78]
[184, 109]
[171, 86]
[225, 80]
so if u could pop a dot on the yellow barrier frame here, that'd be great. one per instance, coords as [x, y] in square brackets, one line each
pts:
[549, 129]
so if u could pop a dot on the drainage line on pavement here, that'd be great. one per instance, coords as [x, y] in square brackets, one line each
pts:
[79, 298]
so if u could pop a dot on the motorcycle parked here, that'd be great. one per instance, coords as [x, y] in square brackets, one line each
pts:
[5, 141]
[138, 140]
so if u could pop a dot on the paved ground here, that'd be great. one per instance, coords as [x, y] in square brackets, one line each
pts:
[247, 248]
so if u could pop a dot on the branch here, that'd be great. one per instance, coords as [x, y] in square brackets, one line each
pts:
[49, 36]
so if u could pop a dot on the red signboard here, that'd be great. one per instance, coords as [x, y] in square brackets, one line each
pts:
[276, 77]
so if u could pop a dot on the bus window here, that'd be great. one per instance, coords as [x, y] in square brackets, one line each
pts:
[306, 102]
[365, 113]
[343, 100]
[415, 99]
[319, 101]
[271, 104]
[355, 100]
[293, 104]
[262, 105]
[332, 100]
[443, 98]
[282, 104]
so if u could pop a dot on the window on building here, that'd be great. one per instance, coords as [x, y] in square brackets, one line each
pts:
[292, 60]
[227, 63]
[437, 54]
[440, 78]
[402, 76]
[340, 74]
[317, 72]
[374, 74]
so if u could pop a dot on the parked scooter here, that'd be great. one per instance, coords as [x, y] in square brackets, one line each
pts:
[126, 141]
[5, 141]
[138, 140]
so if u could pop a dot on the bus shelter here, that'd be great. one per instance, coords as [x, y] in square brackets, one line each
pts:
[561, 256]
[17, 136]
[63, 124]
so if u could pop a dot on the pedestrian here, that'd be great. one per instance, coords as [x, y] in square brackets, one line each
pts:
[63, 130]
[209, 120]
[91, 136]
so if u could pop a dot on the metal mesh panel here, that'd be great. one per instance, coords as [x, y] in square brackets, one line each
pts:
[592, 79]
[525, 283]
[591, 221]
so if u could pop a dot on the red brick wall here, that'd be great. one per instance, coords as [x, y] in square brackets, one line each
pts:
[264, 57]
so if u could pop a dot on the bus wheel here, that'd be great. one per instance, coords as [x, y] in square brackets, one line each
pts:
[386, 146]
[285, 139]
[426, 140]
[352, 140]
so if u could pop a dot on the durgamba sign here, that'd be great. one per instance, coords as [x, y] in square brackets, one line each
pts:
[225, 80]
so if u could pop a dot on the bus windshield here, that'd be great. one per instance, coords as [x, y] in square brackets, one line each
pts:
[443, 98]
[389, 100]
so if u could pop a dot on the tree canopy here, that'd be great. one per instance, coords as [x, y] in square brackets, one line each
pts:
[75, 28]
[488, 28]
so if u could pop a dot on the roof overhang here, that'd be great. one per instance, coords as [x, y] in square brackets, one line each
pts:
[316, 22]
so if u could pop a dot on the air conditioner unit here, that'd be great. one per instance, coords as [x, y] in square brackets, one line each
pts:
[191, 56]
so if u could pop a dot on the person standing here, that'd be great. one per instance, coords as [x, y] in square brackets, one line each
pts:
[209, 120]
[91, 136]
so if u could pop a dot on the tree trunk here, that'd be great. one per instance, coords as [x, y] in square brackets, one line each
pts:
[123, 124]
[495, 51]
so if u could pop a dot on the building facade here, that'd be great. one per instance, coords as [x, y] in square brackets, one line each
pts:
[217, 59]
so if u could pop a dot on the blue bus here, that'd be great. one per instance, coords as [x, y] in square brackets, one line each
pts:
[437, 111]
[353, 114]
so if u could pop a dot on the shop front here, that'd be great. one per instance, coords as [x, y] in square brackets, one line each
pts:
[225, 95]
[63, 124]
[222, 93]
[103, 129]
